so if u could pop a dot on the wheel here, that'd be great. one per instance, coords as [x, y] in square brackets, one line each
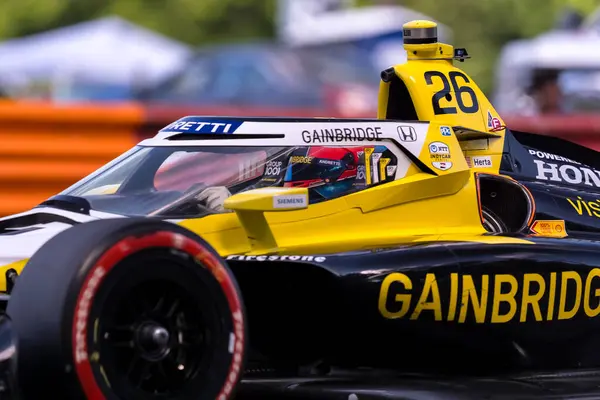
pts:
[128, 309]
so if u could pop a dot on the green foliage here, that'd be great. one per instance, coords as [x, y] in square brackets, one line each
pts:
[193, 21]
[482, 26]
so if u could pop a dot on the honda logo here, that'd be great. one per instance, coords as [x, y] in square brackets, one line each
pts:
[407, 133]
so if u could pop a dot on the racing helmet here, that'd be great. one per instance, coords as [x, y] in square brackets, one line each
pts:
[328, 171]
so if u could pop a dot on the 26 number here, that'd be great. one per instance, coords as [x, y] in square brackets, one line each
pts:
[458, 91]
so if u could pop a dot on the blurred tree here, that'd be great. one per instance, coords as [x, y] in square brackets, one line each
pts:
[192, 21]
[201, 22]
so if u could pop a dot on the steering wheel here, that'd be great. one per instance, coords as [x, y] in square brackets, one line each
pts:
[194, 191]
[187, 198]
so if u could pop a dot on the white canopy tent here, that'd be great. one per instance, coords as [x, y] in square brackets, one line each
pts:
[109, 51]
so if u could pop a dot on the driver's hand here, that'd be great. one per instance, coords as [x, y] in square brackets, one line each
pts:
[214, 197]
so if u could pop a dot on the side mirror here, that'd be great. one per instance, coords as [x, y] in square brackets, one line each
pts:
[269, 199]
[251, 206]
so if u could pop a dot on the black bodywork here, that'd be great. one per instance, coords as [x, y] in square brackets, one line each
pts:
[563, 177]
[383, 385]
[519, 318]
[343, 313]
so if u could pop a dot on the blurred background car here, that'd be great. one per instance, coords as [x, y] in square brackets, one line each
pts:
[550, 83]
[272, 75]
[558, 71]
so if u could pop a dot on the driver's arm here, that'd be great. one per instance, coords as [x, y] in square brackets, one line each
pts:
[214, 197]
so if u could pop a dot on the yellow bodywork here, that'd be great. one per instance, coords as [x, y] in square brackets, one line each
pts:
[419, 207]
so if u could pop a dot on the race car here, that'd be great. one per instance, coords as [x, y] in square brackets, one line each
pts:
[428, 252]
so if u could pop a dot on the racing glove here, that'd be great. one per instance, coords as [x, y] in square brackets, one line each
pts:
[214, 197]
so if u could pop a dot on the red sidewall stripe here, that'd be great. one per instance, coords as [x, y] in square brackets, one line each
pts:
[107, 262]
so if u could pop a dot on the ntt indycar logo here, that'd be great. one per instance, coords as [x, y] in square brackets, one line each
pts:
[439, 148]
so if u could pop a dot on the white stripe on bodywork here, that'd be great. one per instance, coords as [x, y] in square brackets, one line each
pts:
[78, 217]
[23, 245]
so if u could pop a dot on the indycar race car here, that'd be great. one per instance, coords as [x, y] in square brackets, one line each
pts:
[429, 253]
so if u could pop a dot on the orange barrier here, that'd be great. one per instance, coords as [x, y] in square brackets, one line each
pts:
[45, 148]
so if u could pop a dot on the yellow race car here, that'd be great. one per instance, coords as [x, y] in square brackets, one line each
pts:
[302, 258]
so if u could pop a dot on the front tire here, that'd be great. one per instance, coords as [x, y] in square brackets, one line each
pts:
[129, 309]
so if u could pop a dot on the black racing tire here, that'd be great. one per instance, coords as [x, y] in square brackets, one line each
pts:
[125, 308]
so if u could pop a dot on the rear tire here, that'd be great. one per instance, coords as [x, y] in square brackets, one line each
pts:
[129, 309]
